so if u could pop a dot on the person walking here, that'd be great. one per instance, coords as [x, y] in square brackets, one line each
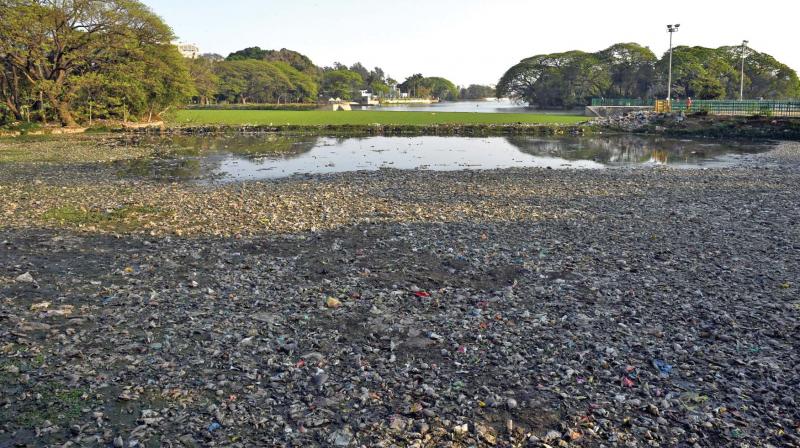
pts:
[689, 104]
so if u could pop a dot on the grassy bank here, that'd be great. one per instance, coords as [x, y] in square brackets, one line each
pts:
[257, 106]
[360, 118]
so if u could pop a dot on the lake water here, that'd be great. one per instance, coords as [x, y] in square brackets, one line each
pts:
[502, 106]
[255, 157]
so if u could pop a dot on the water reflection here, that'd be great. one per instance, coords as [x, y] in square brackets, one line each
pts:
[639, 150]
[253, 157]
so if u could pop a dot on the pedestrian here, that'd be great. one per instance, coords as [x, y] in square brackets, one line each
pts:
[689, 104]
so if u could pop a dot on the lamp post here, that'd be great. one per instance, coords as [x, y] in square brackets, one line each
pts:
[741, 87]
[671, 29]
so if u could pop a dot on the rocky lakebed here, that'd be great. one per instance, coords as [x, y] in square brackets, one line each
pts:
[505, 307]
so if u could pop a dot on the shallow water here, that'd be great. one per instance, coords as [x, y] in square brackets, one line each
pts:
[251, 157]
[487, 106]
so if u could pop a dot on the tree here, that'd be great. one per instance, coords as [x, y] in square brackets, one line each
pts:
[559, 80]
[341, 83]
[361, 70]
[201, 70]
[302, 88]
[764, 76]
[631, 71]
[48, 46]
[441, 88]
[412, 84]
[250, 80]
[254, 53]
[700, 73]
[298, 61]
[477, 92]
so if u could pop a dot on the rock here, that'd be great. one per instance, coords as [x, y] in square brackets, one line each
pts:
[398, 423]
[24, 278]
[341, 438]
[552, 436]
[188, 441]
[42, 306]
[486, 433]
[333, 302]
[512, 404]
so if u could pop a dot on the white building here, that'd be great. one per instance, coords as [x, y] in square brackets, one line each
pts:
[190, 51]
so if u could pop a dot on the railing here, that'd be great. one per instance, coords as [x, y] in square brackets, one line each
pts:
[765, 108]
[624, 102]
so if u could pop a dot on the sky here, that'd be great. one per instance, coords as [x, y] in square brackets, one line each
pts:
[473, 41]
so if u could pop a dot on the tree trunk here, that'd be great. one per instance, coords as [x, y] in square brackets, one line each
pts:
[14, 109]
[64, 113]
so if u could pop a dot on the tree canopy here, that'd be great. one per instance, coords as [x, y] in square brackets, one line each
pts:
[477, 92]
[570, 79]
[341, 83]
[419, 86]
[75, 59]
[298, 61]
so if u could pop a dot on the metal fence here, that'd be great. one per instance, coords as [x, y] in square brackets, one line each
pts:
[766, 108]
[624, 102]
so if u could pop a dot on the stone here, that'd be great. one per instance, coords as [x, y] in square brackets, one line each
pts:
[24, 278]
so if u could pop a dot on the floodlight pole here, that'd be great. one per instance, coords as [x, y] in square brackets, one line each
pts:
[671, 29]
[741, 87]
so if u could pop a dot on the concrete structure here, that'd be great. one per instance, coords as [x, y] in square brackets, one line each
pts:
[367, 98]
[190, 51]
[337, 104]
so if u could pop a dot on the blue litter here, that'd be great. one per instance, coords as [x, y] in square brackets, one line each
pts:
[214, 426]
[664, 368]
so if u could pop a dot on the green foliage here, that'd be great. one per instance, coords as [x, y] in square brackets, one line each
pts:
[298, 61]
[571, 79]
[341, 83]
[249, 80]
[201, 70]
[700, 73]
[419, 86]
[76, 59]
[764, 76]
[477, 92]
[631, 68]
[303, 88]
[567, 80]
[441, 88]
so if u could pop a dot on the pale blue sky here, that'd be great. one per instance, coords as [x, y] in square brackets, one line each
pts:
[473, 41]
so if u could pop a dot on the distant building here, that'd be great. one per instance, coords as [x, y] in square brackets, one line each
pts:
[190, 51]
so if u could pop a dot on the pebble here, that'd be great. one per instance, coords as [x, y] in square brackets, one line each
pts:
[25, 278]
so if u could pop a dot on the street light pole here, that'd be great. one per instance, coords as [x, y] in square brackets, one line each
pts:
[671, 29]
[741, 88]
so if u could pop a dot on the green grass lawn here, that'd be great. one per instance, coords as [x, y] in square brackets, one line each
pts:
[319, 118]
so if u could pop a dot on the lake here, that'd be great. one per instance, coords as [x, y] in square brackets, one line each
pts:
[255, 157]
[502, 106]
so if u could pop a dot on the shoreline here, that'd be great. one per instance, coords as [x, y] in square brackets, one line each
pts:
[724, 129]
